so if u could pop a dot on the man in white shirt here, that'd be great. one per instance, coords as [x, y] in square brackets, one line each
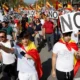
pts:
[28, 63]
[8, 60]
[63, 58]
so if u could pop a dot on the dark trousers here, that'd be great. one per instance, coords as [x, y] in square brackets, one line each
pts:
[9, 72]
[64, 75]
[50, 40]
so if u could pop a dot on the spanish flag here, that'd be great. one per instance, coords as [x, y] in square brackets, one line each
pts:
[5, 7]
[73, 45]
[38, 7]
[48, 5]
[60, 5]
[70, 44]
[76, 61]
[32, 51]
[69, 7]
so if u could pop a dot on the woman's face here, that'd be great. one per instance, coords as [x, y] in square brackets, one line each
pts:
[25, 41]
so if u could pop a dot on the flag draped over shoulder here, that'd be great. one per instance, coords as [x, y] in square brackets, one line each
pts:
[76, 61]
[70, 44]
[73, 45]
[31, 50]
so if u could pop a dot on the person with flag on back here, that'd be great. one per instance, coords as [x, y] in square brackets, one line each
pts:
[63, 57]
[28, 65]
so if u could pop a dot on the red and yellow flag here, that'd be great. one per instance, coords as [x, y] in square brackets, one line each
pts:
[60, 5]
[5, 7]
[48, 5]
[38, 7]
[69, 7]
[32, 51]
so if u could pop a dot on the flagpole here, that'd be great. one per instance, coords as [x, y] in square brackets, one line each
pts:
[71, 1]
[44, 4]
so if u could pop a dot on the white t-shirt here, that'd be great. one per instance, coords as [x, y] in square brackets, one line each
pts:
[65, 58]
[8, 58]
[24, 64]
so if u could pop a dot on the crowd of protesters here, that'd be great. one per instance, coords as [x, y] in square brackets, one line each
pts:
[18, 48]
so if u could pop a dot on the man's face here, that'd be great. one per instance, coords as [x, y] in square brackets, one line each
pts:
[48, 19]
[2, 37]
[67, 38]
[3, 24]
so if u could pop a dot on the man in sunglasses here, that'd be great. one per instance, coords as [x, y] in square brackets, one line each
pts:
[63, 57]
[28, 60]
[8, 60]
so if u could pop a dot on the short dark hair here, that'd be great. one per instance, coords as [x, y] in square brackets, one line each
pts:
[6, 22]
[24, 34]
[3, 31]
[67, 34]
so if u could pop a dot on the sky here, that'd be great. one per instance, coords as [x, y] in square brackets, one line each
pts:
[29, 1]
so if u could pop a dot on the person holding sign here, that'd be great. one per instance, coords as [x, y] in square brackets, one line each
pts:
[63, 57]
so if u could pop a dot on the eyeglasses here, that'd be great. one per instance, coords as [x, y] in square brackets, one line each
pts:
[2, 36]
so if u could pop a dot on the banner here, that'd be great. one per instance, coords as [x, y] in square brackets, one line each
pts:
[29, 12]
[53, 14]
[70, 22]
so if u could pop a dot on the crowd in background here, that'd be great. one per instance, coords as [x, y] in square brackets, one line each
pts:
[42, 29]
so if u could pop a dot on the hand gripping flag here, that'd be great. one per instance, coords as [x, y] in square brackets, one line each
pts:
[31, 50]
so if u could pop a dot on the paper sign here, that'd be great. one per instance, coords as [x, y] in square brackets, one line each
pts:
[70, 22]
[30, 12]
[53, 14]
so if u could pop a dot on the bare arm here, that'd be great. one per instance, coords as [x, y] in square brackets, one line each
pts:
[28, 56]
[13, 35]
[6, 49]
[43, 32]
[77, 54]
[54, 57]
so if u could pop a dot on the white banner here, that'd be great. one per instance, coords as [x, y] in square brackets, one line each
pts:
[30, 12]
[53, 14]
[70, 22]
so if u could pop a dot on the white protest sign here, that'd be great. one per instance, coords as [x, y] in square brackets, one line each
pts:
[53, 14]
[70, 22]
[30, 12]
